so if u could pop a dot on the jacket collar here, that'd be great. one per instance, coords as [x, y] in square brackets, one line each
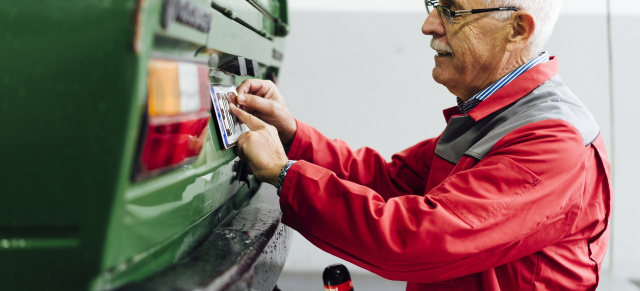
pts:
[512, 92]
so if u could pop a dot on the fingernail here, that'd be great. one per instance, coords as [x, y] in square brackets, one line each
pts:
[241, 98]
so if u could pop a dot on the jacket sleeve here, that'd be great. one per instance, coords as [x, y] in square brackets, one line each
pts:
[520, 198]
[406, 174]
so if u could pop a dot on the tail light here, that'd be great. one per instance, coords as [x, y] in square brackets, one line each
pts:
[177, 118]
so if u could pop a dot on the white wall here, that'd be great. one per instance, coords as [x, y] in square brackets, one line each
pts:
[386, 6]
[625, 41]
[367, 62]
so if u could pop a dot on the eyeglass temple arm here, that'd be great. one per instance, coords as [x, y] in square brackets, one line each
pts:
[473, 11]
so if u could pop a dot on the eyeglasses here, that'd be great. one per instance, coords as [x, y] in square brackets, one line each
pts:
[447, 15]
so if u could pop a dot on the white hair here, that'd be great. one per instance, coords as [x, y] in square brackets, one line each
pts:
[544, 12]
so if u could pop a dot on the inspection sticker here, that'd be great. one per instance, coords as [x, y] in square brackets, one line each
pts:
[230, 127]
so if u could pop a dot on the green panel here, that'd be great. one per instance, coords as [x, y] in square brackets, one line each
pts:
[233, 38]
[246, 14]
[66, 85]
[155, 234]
[156, 209]
[177, 30]
[73, 101]
[270, 6]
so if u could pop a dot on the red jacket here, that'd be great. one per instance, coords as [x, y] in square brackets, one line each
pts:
[513, 196]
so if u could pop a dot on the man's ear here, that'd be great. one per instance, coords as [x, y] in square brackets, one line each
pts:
[522, 28]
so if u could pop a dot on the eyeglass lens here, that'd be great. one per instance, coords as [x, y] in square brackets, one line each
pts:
[430, 4]
[443, 12]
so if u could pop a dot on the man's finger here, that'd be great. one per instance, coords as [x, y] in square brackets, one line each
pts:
[254, 85]
[251, 121]
[256, 103]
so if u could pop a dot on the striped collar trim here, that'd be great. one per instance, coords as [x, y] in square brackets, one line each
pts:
[465, 107]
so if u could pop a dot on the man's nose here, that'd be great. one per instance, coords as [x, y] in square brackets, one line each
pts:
[433, 25]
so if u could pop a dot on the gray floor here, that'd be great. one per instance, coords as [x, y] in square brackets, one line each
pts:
[611, 282]
[290, 281]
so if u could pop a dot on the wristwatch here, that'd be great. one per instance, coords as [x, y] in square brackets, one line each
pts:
[283, 174]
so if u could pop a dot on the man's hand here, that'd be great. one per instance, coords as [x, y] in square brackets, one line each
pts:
[260, 148]
[262, 99]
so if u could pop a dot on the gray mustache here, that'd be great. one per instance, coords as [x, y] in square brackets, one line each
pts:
[438, 46]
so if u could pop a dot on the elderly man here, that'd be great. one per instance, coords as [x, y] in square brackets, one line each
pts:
[513, 195]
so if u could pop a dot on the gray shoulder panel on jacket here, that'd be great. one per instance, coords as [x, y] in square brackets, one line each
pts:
[551, 100]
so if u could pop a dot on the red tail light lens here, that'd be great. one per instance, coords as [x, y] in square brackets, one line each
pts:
[178, 116]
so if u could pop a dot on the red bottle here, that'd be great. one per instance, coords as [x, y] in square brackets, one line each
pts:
[336, 277]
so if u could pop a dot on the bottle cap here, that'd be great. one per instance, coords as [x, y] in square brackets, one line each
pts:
[337, 275]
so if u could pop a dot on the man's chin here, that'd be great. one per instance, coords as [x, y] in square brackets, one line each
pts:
[438, 75]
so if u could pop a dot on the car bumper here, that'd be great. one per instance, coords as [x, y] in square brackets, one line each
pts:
[246, 253]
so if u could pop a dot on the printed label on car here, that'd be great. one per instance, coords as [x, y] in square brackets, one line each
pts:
[230, 127]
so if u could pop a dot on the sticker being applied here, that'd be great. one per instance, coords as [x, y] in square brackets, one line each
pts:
[230, 127]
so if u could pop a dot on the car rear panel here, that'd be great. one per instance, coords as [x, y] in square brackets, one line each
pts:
[74, 215]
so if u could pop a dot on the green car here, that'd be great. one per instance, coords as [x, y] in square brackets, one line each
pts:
[114, 172]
